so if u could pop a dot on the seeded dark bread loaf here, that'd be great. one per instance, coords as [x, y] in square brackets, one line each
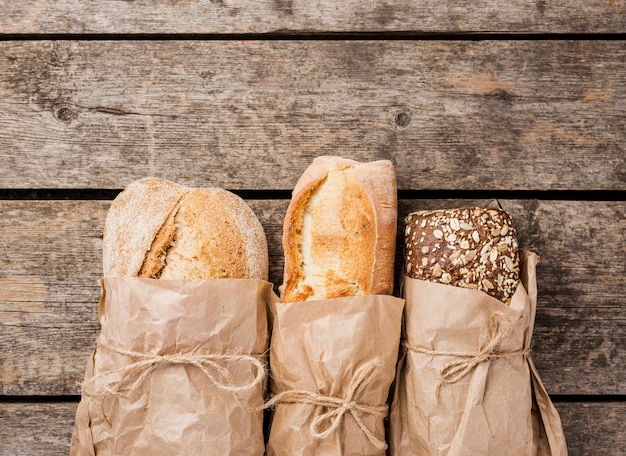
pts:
[469, 247]
[339, 234]
[158, 229]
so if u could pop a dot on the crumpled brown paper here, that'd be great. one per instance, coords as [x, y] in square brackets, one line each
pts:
[178, 369]
[467, 385]
[332, 365]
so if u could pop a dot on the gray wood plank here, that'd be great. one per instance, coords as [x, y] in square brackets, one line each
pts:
[50, 258]
[463, 115]
[287, 16]
[30, 429]
[595, 429]
[581, 315]
[33, 429]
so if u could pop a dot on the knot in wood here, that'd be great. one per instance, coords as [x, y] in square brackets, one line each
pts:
[402, 119]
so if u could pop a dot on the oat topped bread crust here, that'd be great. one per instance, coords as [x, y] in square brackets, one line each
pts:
[473, 248]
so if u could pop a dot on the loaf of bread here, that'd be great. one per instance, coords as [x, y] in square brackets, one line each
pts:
[339, 233]
[469, 247]
[158, 229]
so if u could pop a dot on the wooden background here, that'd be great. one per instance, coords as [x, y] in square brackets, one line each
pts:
[520, 104]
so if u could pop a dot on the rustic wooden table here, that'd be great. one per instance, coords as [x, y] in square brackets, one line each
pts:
[516, 103]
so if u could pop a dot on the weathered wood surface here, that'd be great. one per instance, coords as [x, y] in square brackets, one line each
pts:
[453, 114]
[538, 115]
[289, 16]
[32, 429]
[50, 258]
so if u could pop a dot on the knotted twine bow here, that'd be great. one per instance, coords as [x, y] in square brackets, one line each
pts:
[133, 375]
[326, 423]
[499, 327]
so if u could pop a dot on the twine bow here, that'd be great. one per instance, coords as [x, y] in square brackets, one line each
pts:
[499, 327]
[326, 423]
[133, 375]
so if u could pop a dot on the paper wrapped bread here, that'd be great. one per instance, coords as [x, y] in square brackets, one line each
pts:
[158, 229]
[336, 333]
[473, 248]
[178, 366]
[466, 383]
[339, 234]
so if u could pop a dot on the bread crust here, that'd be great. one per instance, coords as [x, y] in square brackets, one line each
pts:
[473, 247]
[158, 229]
[339, 233]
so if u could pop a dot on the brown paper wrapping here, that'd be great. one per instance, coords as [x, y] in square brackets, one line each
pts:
[497, 405]
[203, 396]
[321, 348]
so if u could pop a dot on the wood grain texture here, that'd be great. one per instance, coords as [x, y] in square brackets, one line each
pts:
[322, 16]
[50, 258]
[597, 429]
[36, 429]
[32, 429]
[464, 115]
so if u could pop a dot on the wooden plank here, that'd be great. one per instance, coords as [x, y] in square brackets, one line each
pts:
[288, 16]
[463, 115]
[50, 258]
[580, 314]
[594, 428]
[31, 429]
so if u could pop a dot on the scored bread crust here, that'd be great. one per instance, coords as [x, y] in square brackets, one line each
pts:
[339, 233]
[158, 229]
[132, 222]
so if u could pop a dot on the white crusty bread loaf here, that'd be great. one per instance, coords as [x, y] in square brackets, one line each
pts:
[339, 233]
[158, 229]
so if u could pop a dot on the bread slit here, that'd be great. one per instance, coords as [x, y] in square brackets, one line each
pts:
[156, 258]
[332, 236]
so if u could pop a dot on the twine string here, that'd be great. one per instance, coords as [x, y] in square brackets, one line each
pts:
[135, 374]
[499, 327]
[327, 422]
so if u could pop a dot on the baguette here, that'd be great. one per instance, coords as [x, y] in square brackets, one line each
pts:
[161, 230]
[469, 247]
[339, 233]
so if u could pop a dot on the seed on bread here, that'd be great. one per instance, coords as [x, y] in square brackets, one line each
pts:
[471, 248]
